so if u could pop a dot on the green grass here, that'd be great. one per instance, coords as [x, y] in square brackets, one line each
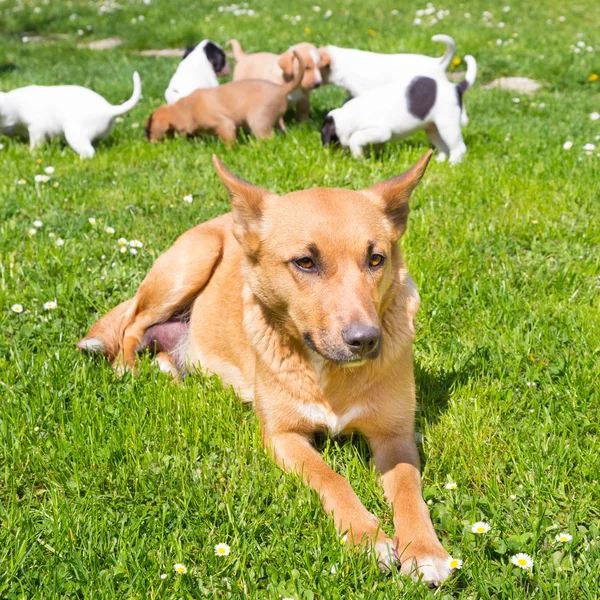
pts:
[106, 483]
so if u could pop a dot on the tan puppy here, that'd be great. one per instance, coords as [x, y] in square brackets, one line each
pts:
[304, 304]
[253, 104]
[281, 69]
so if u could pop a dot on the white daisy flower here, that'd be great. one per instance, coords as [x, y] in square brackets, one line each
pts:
[189, 198]
[180, 569]
[41, 178]
[454, 563]
[581, 44]
[563, 537]
[109, 230]
[417, 21]
[451, 485]
[467, 15]
[51, 305]
[92, 221]
[51, 234]
[568, 145]
[595, 116]
[135, 125]
[60, 242]
[480, 527]
[506, 9]
[522, 560]
[22, 182]
[122, 242]
[32, 231]
[37, 223]
[562, 18]
[316, 8]
[122, 250]
[328, 14]
[136, 244]
[513, 497]
[589, 147]
[49, 170]
[163, 576]
[17, 308]
[222, 550]
[516, 100]
[132, 251]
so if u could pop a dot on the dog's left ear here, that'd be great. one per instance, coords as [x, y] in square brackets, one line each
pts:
[247, 207]
[393, 194]
[286, 63]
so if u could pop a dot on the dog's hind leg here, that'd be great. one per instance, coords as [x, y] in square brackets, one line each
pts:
[174, 281]
[434, 137]
[451, 135]
[36, 138]
[79, 143]
[227, 131]
[364, 137]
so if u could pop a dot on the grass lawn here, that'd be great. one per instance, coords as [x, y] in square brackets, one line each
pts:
[105, 484]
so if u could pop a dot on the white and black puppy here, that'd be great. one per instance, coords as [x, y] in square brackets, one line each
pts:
[358, 71]
[398, 109]
[76, 113]
[198, 69]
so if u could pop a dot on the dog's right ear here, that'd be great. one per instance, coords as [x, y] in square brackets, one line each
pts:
[286, 63]
[247, 207]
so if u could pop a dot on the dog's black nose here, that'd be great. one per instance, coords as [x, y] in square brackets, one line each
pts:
[361, 339]
[317, 84]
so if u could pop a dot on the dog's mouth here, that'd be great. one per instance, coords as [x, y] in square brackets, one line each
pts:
[340, 355]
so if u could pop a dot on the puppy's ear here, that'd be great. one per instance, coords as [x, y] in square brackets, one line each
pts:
[247, 207]
[393, 195]
[286, 63]
[325, 57]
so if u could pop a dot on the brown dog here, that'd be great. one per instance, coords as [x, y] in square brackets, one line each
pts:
[281, 69]
[304, 304]
[252, 104]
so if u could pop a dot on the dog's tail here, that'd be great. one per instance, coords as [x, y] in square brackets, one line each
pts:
[105, 335]
[291, 85]
[236, 47]
[450, 49]
[135, 97]
[465, 84]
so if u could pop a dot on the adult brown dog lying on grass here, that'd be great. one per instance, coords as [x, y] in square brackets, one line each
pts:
[303, 303]
[251, 104]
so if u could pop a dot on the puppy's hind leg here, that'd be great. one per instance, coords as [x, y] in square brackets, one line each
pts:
[80, 143]
[451, 135]
[36, 138]
[364, 137]
[434, 137]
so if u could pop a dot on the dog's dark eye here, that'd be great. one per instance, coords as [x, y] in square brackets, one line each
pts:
[305, 263]
[376, 260]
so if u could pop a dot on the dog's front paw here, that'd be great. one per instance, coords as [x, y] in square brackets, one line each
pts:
[428, 563]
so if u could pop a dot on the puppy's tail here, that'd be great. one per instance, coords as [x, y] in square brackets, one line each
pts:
[471, 73]
[450, 49]
[135, 97]
[291, 85]
[236, 47]
[105, 335]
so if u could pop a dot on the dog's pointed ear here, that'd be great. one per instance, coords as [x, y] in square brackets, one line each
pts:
[286, 64]
[247, 206]
[393, 194]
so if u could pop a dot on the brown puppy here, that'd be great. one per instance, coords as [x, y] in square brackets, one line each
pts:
[252, 104]
[281, 69]
[304, 304]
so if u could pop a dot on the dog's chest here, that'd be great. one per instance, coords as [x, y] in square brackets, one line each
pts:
[322, 417]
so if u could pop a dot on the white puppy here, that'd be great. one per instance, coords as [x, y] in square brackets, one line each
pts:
[198, 69]
[398, 109]
[358, 72]
[70, 111]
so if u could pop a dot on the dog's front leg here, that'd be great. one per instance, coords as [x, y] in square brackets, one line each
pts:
[417, 545]
[294, 452]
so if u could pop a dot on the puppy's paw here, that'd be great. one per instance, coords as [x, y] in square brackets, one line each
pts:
[441, 157]
[386, 553]
[426, 563]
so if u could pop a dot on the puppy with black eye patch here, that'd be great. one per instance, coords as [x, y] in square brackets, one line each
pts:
[303, 303]
[399, 109]
[198, 69]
